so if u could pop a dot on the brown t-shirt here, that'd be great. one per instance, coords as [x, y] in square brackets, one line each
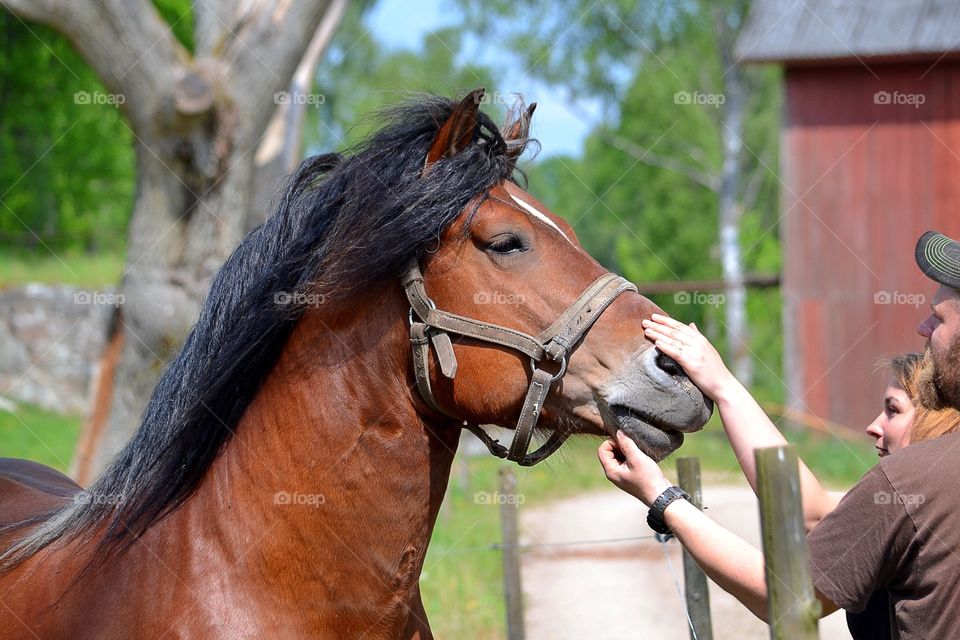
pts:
[898, 528]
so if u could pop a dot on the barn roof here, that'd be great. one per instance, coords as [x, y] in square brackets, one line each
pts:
[788, 30]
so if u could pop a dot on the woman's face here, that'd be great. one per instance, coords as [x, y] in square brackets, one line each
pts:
[892, 427]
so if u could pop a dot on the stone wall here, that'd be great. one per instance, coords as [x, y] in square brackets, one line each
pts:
[51, 338]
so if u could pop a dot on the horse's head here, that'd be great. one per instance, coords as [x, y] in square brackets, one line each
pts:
[507, 262]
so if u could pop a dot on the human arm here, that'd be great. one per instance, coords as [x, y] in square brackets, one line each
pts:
[745, 424]
[727, 559]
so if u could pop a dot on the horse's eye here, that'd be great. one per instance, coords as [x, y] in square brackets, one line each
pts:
[507, 243]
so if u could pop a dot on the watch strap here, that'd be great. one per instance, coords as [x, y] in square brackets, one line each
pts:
[655, 515]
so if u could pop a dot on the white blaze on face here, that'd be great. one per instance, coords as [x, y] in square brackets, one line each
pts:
[539, 215]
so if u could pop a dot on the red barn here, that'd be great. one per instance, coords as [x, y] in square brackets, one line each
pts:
[870, 159]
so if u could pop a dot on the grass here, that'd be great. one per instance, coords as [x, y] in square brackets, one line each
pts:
[66, 267]
[462, 582]
[39, 435]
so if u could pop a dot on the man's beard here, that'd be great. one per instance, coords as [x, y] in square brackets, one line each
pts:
[945, 374]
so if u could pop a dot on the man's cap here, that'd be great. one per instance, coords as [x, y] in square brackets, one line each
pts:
[939, 258]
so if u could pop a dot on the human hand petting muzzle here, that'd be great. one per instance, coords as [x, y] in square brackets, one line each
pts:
[630, 469]
[692, 351]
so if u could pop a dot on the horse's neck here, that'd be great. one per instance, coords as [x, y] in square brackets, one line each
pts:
[327, 495]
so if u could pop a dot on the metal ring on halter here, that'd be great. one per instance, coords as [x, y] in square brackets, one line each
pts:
[433, 305]
[558, 374]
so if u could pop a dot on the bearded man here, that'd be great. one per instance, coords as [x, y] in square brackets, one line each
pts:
[939, 258]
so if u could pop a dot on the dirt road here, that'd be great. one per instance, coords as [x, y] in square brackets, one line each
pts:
[626, 590]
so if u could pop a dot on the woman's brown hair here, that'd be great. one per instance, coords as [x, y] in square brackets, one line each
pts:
[913, 372]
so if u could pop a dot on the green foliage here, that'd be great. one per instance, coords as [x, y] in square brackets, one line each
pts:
[66, 160]
[179, 15]
[588, 46]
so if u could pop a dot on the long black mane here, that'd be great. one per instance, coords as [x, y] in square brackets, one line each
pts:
[342, 222]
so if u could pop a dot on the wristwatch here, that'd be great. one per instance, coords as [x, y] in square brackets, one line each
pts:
[655, 515]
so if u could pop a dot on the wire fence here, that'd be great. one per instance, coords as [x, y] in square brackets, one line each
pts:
[498, 546]
[781, 514]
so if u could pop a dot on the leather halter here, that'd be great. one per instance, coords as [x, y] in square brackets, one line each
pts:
[429, 325]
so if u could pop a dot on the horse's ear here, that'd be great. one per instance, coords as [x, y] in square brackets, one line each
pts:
[516, 131]
[517, 128]
[457, 132]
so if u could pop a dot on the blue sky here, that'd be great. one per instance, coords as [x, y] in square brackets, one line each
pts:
[403, 23]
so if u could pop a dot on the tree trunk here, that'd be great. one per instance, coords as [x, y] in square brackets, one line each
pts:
[731, 211]
[179, 236]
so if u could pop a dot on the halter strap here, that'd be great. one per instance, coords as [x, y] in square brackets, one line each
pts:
[425, 309]
[429, 325]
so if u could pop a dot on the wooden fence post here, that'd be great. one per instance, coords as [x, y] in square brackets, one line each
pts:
[793, 609]
[694, 580]
[510, 548]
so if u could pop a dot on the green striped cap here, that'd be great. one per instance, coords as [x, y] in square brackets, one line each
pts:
[939, 258]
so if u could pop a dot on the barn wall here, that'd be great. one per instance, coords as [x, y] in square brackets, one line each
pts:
[863, 179]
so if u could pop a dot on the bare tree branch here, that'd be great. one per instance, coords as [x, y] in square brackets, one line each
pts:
[212, 21]
[303, 80]
[43, 11]
[263, 51]
[646, 156]
[281, 147]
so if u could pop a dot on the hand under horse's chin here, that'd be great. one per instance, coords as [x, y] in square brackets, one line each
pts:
[653, 441]
[656, 442]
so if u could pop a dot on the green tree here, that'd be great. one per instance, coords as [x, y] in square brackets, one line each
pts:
[680, 162]
[66, 161]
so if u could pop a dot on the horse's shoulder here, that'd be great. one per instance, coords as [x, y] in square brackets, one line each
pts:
[29, 488]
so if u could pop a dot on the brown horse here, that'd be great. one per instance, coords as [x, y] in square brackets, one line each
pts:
[288, 470]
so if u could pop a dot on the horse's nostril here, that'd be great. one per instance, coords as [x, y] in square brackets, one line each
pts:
[668, 364]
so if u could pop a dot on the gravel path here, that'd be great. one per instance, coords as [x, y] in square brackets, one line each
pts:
[626, 589]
